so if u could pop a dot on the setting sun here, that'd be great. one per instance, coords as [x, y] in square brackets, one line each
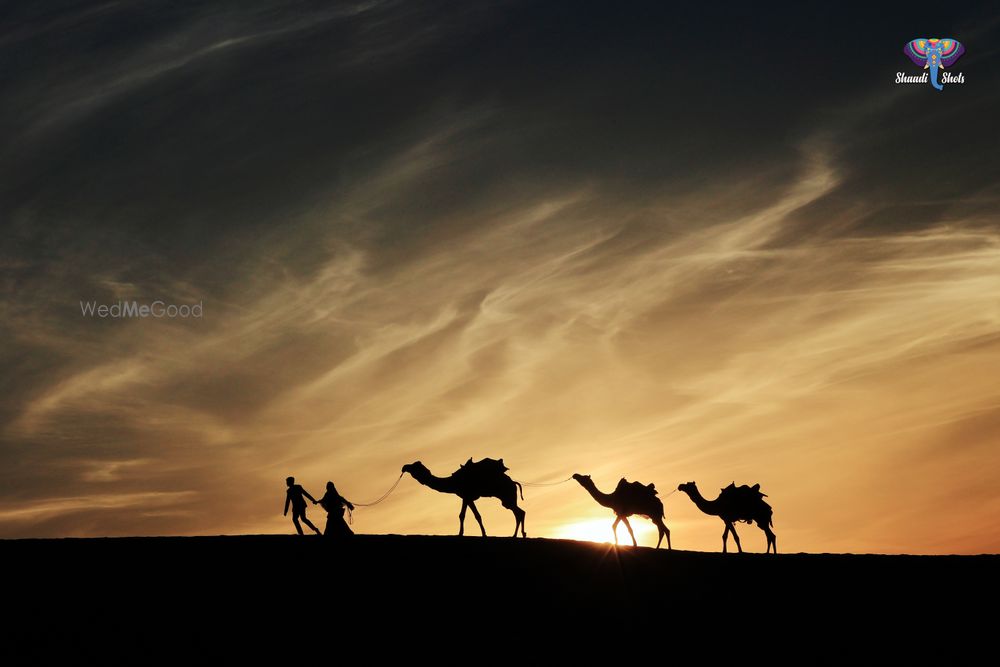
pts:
[599, 530]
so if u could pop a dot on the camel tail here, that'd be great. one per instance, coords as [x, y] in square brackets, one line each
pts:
[520, 489]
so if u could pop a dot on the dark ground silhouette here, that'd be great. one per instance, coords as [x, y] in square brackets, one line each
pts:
[489, 600]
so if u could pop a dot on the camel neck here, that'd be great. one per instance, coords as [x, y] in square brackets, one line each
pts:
[441, 484]
[706, 506]
[602, 498]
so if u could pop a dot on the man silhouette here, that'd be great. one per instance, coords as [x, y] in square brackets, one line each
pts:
[294, 496]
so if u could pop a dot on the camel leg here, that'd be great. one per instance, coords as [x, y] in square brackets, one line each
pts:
[629, 526]
[519, 520]
[662, 527]
[725, 537]
[475, 513]
[736, 537]
[614, 528]
[461, 519]
[511, 504]
[772, 540]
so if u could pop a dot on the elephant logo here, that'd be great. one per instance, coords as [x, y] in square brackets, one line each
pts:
[934, 54]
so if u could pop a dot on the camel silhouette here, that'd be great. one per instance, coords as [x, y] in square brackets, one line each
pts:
[486, 478]
[627, 499]
[736, 503]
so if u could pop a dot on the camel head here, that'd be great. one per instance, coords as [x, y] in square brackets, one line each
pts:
[688, 487]
[416, 469]
[583, 479]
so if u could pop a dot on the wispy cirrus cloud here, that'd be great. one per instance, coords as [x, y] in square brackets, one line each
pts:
[407, 256]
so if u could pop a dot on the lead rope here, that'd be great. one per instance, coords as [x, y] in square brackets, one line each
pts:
[350, 512]
[562, 481]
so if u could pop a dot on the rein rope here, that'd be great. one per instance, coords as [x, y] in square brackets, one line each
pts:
[383, 496]
[350, 512]
[562, 481]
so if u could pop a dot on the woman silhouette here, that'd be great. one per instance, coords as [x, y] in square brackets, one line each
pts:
[334, 504]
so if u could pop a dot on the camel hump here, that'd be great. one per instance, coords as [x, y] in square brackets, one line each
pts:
[493, 464]
[635, 491]
[742, 495]
[484, 467]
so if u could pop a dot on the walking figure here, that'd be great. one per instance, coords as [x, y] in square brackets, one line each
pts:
[334, 504]
[296, 497]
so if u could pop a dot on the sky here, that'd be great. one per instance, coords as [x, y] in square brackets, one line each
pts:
[663, 243]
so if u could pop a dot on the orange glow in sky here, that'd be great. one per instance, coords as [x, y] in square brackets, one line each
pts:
[412, 245]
